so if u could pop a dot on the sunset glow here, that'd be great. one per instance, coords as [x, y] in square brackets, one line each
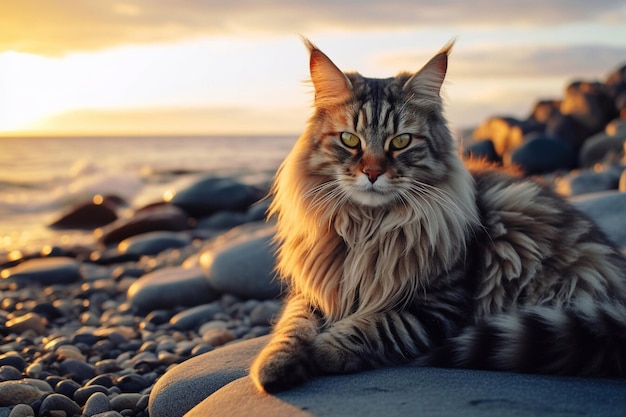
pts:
[93, 67]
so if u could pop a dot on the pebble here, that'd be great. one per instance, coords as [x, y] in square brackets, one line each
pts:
[54, 402]
[22, 410]
[543, 154]
[192, 317]
[77, 370]
[97, 403]
[152, 243]
[87, 216]
[22, 391]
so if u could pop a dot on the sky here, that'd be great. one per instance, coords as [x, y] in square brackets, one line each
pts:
[74, 67]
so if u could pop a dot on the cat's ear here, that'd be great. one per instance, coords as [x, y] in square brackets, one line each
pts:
[331, 84]
[428, 80]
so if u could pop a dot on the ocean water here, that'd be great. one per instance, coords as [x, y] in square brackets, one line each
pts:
[40, 178]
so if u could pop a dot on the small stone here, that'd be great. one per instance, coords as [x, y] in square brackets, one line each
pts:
[192, 317]
[58, 402]
[265, 313]
[13, 359]
[77, 369]
[29, 321]
[69, 352]
[223, 220]
[22, 410]
[97, 403]
[9, 373]
[218, 337]
[125, 401]
[67, 387]
[131, 383]
[152, 243]
[109, 414]
[83, 394]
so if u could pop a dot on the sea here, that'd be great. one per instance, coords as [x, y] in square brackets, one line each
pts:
[43, 177]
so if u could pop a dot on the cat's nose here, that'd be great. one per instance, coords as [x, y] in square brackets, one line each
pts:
[372, 173]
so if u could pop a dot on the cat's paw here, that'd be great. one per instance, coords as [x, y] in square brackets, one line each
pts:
[279, 370]
[333, 357]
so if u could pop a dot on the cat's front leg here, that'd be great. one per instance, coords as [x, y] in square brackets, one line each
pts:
[286, 360]
[357, 343]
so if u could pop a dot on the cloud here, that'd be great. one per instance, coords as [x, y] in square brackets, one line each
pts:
[61, 26]
[521, 61]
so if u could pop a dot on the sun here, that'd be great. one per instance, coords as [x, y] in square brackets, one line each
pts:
[21, 100]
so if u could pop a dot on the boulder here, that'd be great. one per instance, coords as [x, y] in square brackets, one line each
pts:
[166, 217]
[543, 154]
[212, 194]
[241, 263]
[171, 287]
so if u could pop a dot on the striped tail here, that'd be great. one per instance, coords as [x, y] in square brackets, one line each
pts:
[587, 340]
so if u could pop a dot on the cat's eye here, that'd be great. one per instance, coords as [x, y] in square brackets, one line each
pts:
[350, 140]
[400, 142]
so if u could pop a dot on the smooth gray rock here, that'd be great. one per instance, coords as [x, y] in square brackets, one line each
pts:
[608, 210]
[193, 389]
[44, 271]
[152, 243]
[192, 317]
[212, 194]
[187, 384]
[427, 392]
[242, 263]
[171, 287]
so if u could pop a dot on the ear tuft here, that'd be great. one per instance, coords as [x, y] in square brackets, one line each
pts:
[428, 80]
[331, 85]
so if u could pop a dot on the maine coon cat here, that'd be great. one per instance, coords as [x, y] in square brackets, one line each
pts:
[395, 251]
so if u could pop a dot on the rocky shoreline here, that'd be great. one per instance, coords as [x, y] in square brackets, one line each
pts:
[90, 330]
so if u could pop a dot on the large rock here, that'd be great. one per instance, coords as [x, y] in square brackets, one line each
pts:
[97, 212]
[608, 211]
[44, 271]
[187, 384]
[164, 217]
[193, 389]
[212, 194]
[590, 104]
[604, 145]
[171, 287]
[241, 263]
[506, 133]
[543, 154]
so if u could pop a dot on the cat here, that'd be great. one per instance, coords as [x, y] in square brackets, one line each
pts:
[396, 251]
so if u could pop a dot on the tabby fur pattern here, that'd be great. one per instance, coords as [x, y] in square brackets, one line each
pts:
[396, 251]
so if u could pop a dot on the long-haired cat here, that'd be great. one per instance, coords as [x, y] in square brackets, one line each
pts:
[395, 251]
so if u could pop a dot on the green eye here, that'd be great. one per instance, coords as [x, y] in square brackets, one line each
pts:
[350, 140]
[400, 142]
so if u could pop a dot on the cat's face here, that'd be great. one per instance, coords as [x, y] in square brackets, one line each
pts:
[376, 142]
